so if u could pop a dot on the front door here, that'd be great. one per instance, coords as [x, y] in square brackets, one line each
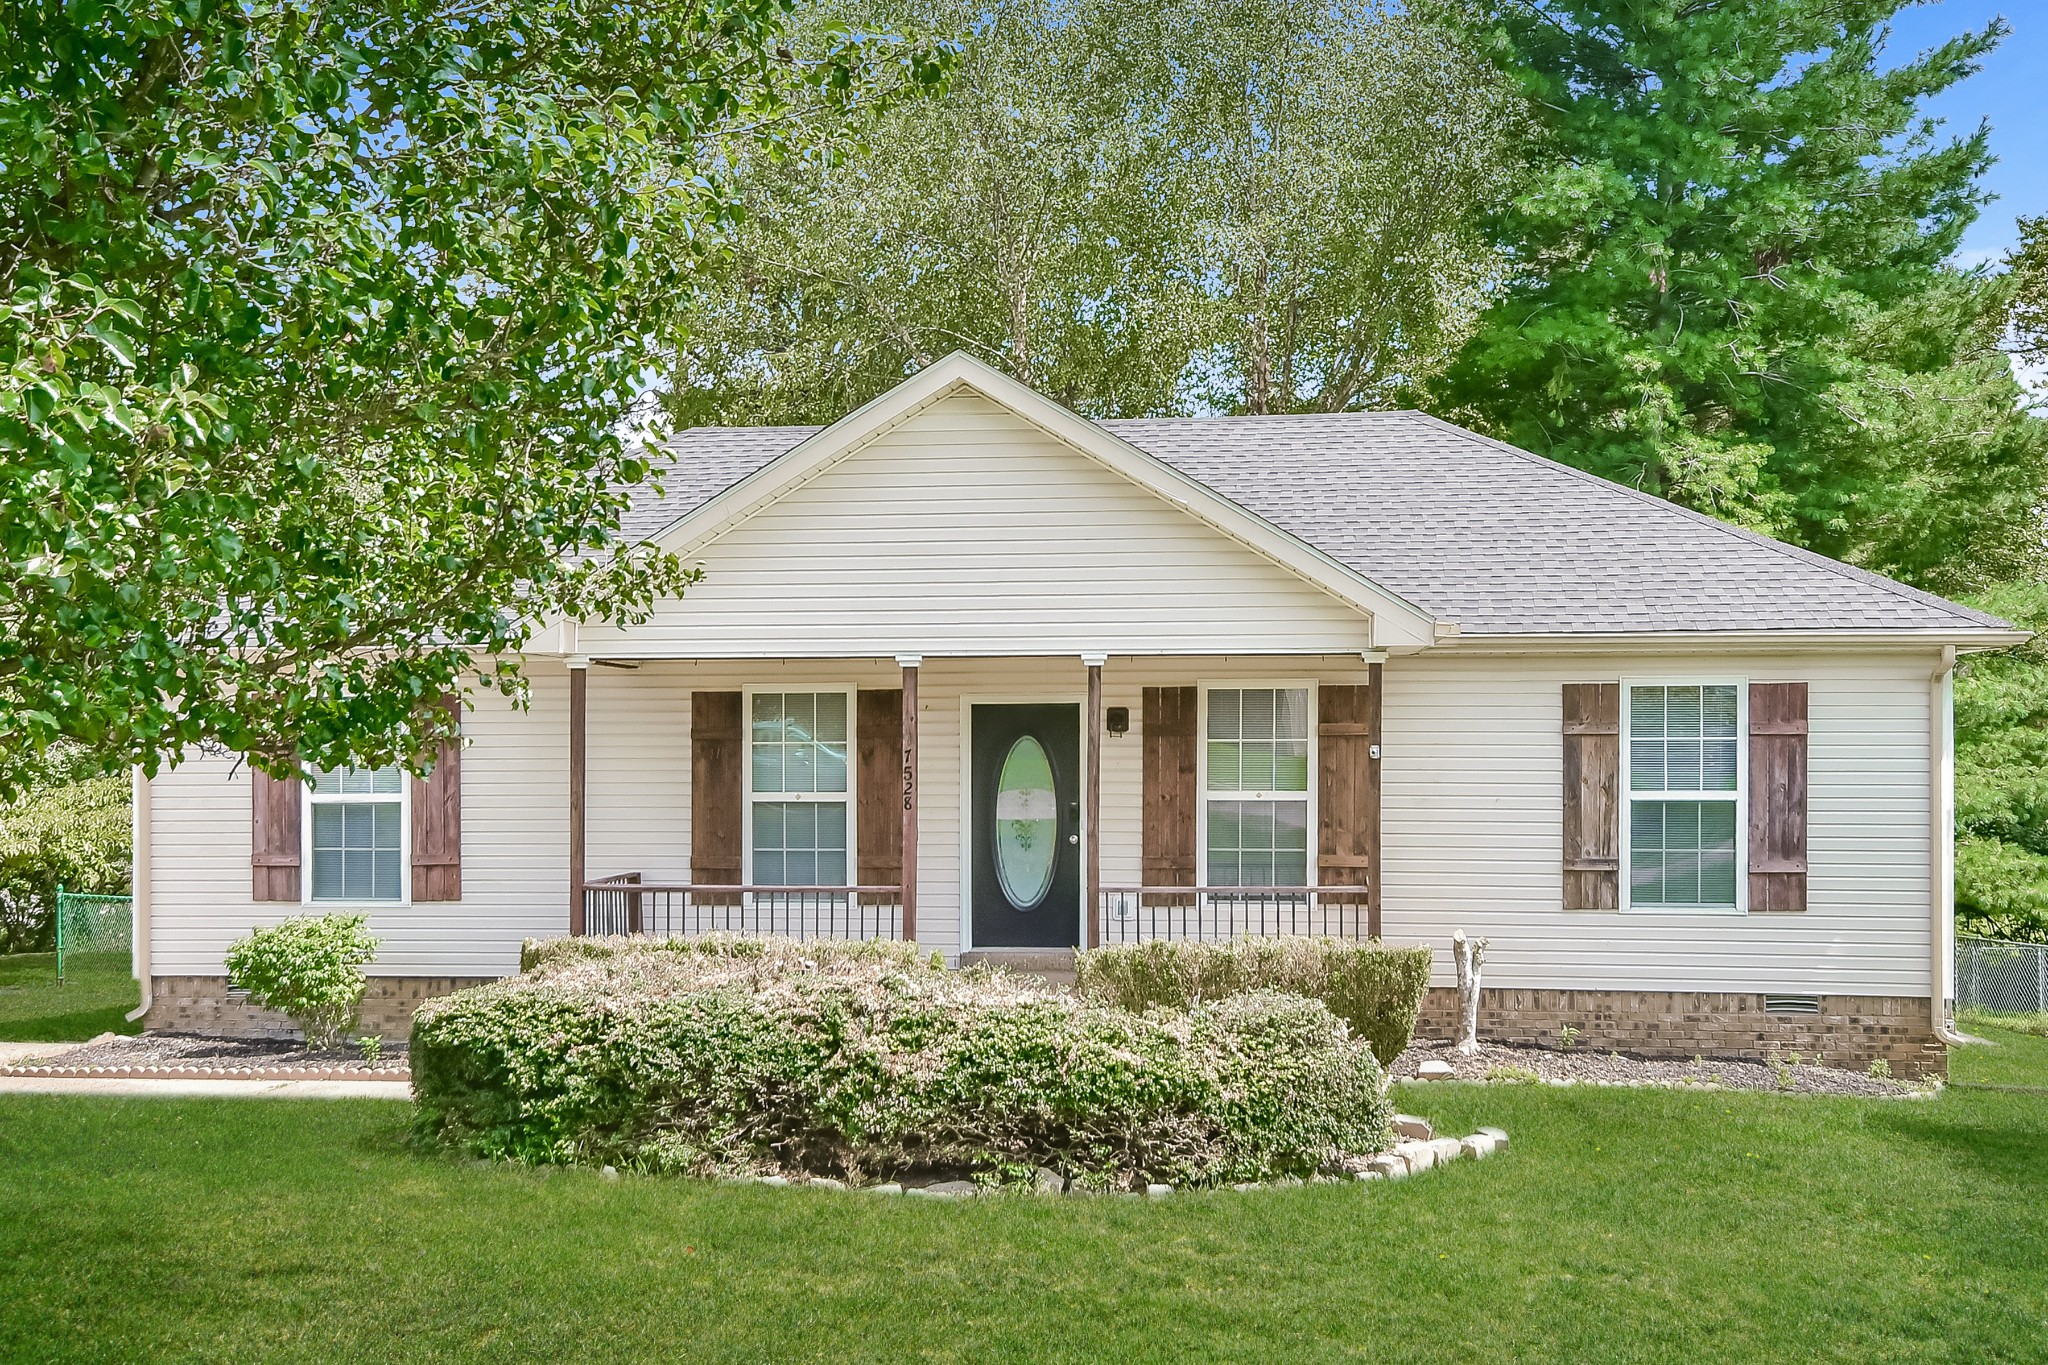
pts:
[1025, 811]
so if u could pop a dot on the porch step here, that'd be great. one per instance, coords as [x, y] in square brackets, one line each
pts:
[1055, 966]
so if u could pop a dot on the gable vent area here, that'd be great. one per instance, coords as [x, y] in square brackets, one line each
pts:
[1792, 1004]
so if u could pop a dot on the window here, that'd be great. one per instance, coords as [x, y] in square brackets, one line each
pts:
[357, 837]
[1684, 751]
[1255, 807]
[798, 788]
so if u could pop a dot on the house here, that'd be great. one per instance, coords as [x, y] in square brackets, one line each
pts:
[968, 668]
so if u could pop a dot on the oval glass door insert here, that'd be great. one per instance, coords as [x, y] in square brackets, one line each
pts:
[1027, 824]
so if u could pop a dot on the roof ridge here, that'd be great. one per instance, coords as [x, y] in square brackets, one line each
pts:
[1797, 553]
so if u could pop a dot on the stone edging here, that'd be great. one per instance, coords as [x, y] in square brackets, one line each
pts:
[1417, 1151]
[203, 1073]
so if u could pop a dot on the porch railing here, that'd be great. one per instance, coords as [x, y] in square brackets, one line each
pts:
[624, 904]
[1136, 914]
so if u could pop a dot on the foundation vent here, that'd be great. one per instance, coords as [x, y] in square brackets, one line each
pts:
[1791, 1004]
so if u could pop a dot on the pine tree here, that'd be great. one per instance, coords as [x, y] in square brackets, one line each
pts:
[1728, 282]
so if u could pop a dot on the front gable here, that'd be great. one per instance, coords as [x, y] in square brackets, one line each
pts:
[960, 526]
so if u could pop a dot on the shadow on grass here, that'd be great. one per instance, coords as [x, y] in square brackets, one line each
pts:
[76, 1027]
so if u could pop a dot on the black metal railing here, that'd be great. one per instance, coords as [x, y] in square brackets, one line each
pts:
[1138, 914]
[624, 904]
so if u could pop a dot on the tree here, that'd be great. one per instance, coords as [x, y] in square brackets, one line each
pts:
[2001, 720]
[2028, 266]
[1137, 209]
[319, 325]
[1727, 285]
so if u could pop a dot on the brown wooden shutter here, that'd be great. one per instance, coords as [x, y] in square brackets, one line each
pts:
[1777, 796]
[437, 822]
[718, 754]
[275, 805]
[878, 785]
[1592, 796]
[1168, 840]
[1348, 791]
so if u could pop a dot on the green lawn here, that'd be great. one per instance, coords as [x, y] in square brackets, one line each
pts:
[1620, 1226]
[35, 1007]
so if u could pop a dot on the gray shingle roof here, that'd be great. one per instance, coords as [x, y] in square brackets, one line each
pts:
[1473, 530]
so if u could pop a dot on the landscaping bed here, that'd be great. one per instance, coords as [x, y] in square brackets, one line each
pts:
[195, 1055]
[870, 1064]
[1501, 1063]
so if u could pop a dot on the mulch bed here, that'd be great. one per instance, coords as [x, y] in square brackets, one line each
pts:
[195, 1056]
[1505, 1063]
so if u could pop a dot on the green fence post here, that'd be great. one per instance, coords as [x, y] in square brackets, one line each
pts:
[60, 931]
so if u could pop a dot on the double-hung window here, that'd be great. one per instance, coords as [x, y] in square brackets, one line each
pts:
[797, 798]
[1255, 779]
[356, 839]
[1685, 793]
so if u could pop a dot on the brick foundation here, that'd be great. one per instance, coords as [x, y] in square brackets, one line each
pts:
[1851, 1031]
[202, 1004]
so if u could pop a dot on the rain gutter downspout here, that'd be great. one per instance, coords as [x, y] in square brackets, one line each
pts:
[1941, 848]
[138, 889]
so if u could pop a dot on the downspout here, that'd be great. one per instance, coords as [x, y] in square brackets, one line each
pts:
[1941, 847]
[138, 888]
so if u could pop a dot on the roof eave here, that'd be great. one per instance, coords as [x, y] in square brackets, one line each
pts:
[1965, 639]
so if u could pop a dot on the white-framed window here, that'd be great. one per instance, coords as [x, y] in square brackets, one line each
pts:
[1258, 749]
[357, 828]
[1683, 819]
[799, 788]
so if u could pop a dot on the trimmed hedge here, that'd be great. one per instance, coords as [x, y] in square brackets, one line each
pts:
[712, 1061]
[786, 952]
[1375, 989]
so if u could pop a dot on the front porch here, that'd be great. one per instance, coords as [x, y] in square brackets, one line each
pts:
[976, 805]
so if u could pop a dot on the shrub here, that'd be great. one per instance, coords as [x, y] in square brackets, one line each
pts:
[76, 835]
[1375, 989]
[310, 969]
[546, 952]
[859, 1066]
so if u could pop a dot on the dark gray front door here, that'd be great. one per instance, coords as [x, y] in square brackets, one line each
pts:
[1025, 810]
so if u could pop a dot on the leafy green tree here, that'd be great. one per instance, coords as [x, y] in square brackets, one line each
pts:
[1137, 208]
[318, 323]
[2028, 266]
[72, 834]
[2001, 718]
[1727, 285]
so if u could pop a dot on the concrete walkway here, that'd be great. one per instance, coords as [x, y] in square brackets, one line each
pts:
[217, 1089]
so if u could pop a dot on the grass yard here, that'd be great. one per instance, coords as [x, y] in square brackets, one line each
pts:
[95, 993]
[1620, 1226]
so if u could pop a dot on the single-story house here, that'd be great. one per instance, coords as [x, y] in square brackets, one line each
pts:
[968, 668]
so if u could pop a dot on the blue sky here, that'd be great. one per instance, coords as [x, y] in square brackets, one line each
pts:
[2011, 91]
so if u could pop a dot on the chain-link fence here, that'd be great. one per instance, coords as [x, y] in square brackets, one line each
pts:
[88, 923]
[2010, 978]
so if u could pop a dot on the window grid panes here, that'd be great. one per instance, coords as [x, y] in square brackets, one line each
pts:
[799, 780]
[1684, 757]
[358, 834]
[1257, 749]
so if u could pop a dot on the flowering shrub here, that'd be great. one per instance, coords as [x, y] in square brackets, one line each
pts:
[864, 1066]
[1375, 989]
[310, 969]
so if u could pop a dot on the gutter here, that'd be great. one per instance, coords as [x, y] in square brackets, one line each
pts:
[1941, 847]
[138, 888]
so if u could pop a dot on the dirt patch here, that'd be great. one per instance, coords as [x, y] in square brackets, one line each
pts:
[1792, 1073]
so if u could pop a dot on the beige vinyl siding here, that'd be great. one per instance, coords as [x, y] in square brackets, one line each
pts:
[967, 531]
[1473, 826]
[1472, 784]
[515, 854]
